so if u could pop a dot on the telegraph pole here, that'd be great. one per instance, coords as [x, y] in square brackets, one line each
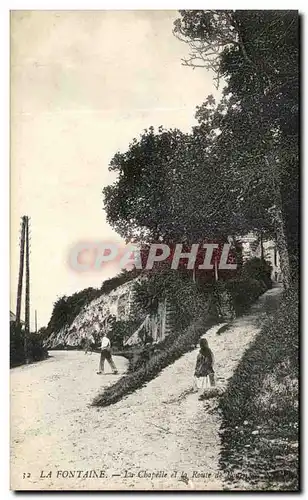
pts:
[27, 308]
[21, 271]
[35, 321]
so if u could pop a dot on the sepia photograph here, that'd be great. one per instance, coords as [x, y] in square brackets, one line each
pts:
[154, 250]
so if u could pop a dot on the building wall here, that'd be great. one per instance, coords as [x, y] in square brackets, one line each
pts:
[252, 248]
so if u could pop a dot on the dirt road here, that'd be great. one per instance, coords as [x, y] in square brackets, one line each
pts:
[58, 440]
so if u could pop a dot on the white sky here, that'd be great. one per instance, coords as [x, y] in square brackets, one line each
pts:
[83, 85]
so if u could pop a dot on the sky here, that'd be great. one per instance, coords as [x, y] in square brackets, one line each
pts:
[83, 85]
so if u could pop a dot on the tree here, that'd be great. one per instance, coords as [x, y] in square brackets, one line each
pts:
[168, 189]
[245, 194]
[208, 33]
[66, 309]
[256, 52]
[140, 204]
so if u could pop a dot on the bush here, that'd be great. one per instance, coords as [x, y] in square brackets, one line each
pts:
[262, 394]
[36, 351]
[257, 269]
[16, 347]
[244, 293]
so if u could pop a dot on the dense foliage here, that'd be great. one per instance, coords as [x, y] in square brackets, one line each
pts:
[260, 406]
[66, 309]
[257, 55]
[120, 331]
[238, 169]
[258, 269]
[188, 297]
[175, 286]
[172, 188]
[123, 277]
[36, 351]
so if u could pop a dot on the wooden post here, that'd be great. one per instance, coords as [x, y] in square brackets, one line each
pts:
[21, 272]
[216, 269]
[27, 308]
[194, 275]
[35, 321]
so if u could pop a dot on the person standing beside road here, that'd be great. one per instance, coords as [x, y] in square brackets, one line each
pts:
[106, 354]
[204, 366]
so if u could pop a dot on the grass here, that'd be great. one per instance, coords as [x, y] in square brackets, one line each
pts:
[259, 430]
[172, 349]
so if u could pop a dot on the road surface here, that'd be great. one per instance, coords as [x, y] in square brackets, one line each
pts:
[58, 439]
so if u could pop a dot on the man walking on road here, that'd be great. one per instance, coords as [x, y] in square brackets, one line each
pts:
[106, 354]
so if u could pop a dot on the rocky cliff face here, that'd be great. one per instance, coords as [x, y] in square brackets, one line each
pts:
[94, 317]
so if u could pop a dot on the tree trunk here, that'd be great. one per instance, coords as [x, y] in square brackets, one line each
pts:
[283, 249]
[278, 221]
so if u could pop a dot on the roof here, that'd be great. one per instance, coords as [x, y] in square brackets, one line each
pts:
[13, 318]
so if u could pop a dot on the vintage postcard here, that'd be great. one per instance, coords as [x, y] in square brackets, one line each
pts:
[154, 250]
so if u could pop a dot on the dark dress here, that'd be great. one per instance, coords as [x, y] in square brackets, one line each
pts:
[204, 364]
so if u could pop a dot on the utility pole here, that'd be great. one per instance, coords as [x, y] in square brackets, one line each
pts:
[35, 321]
[27, 308]
[21, 272]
